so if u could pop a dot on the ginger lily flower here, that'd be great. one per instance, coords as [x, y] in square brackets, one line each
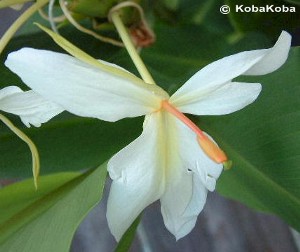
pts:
[172, 160]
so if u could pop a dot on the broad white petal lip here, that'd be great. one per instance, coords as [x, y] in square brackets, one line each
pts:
[227, 99]
[220, 72]
[83, 89]
[189, 175]
[164, 163]
[181, 205]
[30, 106]
[194, 159]
[138, 178]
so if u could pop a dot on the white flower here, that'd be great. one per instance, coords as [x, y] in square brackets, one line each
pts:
[30, 106]
[165, 162]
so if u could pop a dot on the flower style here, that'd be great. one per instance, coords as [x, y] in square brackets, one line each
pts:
[172, 160]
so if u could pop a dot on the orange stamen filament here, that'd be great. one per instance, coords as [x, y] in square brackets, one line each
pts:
[174, 111]
[208, 146]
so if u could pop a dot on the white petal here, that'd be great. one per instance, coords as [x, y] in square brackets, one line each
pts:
[207, 170]
[138, 177]
[179, 211]
[226, 99]
[182, 202]
[7, 91]
[30, 106]
[274, 58]
[189, 174]
[83, 89]
[218, 73]
[195, 159]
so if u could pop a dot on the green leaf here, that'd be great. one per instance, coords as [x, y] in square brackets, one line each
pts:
[67, 143]
[263, 141]
[293, 1]
[190, 12]
[18, 196]
[182, 51]
[207, 14]
[270, 22]
[46, 220]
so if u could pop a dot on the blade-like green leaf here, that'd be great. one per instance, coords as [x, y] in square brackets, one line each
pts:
[16, 197]
[181, 52]
[270, 16]
[47, 222]
[293, 1]
[263, 141]
[66, 143]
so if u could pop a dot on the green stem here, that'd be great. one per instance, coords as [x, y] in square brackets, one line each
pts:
[138, 62]
[19, 22]
[31, 145]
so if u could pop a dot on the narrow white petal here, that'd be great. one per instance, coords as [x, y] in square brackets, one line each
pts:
[274, 58]
[30, 106]
[228, 98]
[220, 72]
[138, 177]
[83, 89]
[190, 173]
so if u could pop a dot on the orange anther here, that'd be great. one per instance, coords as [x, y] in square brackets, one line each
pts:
[212, 150]
[208, 146]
